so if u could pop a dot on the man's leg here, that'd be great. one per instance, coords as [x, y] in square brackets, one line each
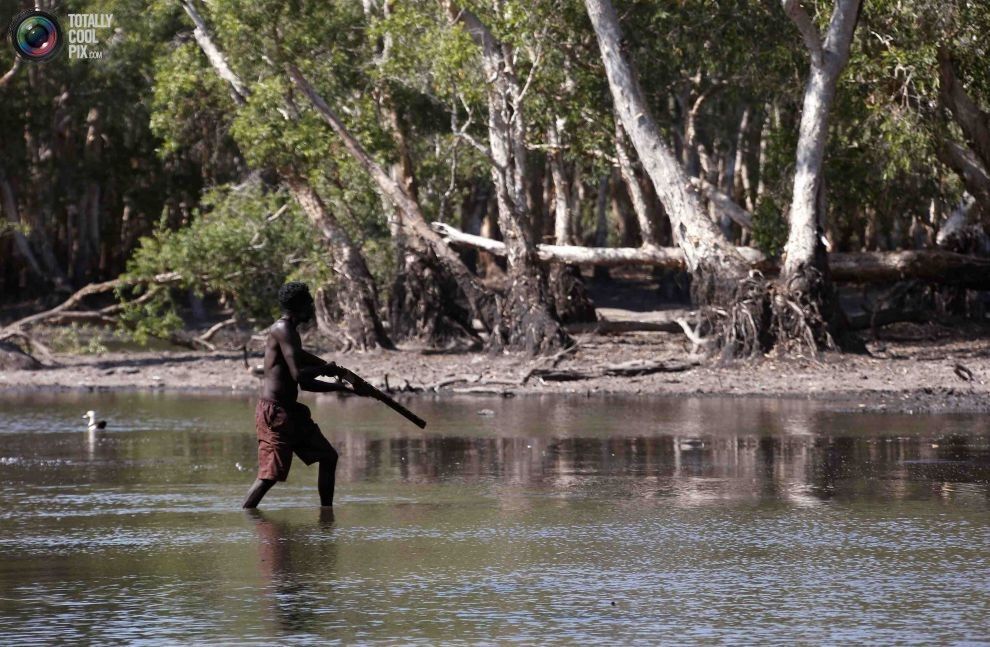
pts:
[328, 475]
[258, 491]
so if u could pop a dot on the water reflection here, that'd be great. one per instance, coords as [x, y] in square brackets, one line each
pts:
[704, 520]
[787, 467]
[298, 564]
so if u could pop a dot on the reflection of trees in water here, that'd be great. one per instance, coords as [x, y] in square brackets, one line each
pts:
[793, 458]
[297, 562]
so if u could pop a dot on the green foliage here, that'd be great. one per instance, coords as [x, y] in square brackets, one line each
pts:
[78, 339]
[171, 131]
[242, 244]
[769, 227]
[190, 102]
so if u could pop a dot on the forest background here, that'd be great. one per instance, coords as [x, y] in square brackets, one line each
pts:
[754, 157]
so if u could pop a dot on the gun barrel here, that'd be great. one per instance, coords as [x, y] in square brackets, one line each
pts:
[357, 380]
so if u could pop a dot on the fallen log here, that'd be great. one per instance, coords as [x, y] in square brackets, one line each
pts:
[634, 368]
[668, 257]
[935, 266]
[606, 327]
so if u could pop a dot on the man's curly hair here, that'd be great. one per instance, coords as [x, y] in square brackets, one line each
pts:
[292, 295]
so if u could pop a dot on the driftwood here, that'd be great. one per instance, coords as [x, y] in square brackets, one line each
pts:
[936, 266]
[633, 368]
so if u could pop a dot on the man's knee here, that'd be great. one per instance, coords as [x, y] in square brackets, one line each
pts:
[330, 457]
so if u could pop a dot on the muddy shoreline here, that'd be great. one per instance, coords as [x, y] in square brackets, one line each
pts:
[912, 370]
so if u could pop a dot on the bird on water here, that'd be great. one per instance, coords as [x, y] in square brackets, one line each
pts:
[94, 424]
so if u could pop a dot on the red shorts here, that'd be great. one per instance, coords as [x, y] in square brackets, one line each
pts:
[284, 428]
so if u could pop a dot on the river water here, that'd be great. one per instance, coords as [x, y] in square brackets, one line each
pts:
[532, 520]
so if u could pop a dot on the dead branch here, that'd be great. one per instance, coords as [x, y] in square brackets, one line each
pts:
[453, 379]
[6, 78]
[66, 306]
[215, 328]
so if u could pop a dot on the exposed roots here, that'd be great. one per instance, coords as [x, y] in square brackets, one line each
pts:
[766, 315]
[798, 323]
[528, 321]
[427, 305]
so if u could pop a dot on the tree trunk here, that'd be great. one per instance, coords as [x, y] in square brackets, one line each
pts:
[972, 162]
[571, 301]
[481, 302]
[563, 204]
[355, 290]
[9, 206]
[528, 320]
[973, 173]
[805, 279]
[626, 224]
[424, 303]
[715, 265]
[740, 190]
[974, 122]
[601, 224]
[647, 226]
[357, 295]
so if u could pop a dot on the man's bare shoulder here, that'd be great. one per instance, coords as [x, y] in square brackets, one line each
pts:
[282, 331]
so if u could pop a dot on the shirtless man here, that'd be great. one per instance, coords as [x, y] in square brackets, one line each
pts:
[284, 425]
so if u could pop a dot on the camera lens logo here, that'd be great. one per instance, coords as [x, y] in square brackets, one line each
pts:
[36, 35]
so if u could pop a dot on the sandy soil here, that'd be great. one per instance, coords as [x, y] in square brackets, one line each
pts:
[916, 368]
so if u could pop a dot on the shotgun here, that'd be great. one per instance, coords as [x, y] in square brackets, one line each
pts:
[361, 386]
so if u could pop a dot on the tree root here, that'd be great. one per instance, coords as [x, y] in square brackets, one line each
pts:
[765, 315]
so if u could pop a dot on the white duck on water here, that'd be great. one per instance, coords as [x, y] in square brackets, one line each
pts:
[94, 424]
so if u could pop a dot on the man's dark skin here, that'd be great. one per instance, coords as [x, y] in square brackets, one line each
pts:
[289, 368]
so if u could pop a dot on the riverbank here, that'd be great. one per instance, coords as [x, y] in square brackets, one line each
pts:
[916, 368]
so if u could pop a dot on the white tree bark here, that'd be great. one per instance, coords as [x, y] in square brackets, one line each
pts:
[701, 241]
[828, 59]
[238, 91]
[723, 203]
[971, 162]
[562, 199]
[974, 122]
[528, 320]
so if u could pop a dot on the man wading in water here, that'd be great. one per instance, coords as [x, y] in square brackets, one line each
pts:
[284, 425]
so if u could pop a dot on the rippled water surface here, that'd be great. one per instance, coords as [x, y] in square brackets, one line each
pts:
[538, 520]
